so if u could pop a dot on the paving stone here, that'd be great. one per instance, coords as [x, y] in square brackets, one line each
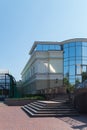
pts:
[13, 118]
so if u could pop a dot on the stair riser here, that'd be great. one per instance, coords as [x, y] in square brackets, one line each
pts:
[51, 109]
[50, 115]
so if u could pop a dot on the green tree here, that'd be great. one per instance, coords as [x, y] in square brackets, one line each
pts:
[68, 85]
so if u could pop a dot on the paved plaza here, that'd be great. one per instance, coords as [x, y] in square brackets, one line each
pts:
[14, 118]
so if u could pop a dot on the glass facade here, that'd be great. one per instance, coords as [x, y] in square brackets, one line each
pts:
[74, 57]
[4, 81]
[75, 60]
[7, 84]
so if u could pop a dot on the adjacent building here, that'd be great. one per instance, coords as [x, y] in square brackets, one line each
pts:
[44, 70]
[7, 84]
[51, 62]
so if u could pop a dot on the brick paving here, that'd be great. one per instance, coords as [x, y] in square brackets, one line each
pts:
[13, 118]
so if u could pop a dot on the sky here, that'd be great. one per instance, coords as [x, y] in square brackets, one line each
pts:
[24, 21]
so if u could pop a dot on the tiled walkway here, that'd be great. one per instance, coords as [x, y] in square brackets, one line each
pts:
[13, 118]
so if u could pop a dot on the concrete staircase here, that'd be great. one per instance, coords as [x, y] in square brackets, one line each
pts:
[54, 108]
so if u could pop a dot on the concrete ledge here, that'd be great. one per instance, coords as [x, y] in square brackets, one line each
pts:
[50, 103]
[18, 102]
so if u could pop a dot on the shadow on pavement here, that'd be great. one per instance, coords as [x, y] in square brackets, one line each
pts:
[77, 122]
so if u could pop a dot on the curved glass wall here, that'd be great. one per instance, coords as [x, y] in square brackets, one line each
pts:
[75, 61]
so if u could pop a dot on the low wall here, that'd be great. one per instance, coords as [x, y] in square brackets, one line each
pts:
[80, 100]
[18, 102]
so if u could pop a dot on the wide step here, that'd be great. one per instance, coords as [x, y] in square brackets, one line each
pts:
[49, 109]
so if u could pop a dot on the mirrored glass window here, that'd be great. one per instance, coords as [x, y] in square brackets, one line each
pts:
[39, 47]
[78, 51]
[66, 45]
[84, 43]
[72, 76]
[66, 59]
[78, 61]
[71, 58]
[45, 47]
[78, 43]
[84, 69]
[57, 47]
[78, 69]
[66, 71]
[72, 62]
[72, 70]
[72, 81]
[66, 53]
[84, 62]
[66, 63]
[72, 51]
[72, 44]
[78, 78]
[84, 51]
[84, 58]
[51, 47]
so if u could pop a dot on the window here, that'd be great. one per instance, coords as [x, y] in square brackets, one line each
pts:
[78, 78]
[72, 51]
[72, 62]
[78, 43]
[84, 62]
[84, 43]
[84, 69]
[66, 63]
[66, 71]
[78, 51]
[39, 47]
[72, 70]
[72, 44]
[78, 61]
[45, 47]
[84, 51]
[78, 69]
[66, 45]
[51, 47]
[66, 53]
[57, 47]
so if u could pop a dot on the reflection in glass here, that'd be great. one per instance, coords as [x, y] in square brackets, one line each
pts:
[78, 51]
[57, 47]
[84, 69]
[84, 62]
[72, 70]
[79, 78]
[51, 47]
[66, 45]
[72, 81]
[84, 43]
[72, 51]
[65, 63]
[78, 43]
[78, 69]
[72, 44]
[66, 71]
[78, 61]
[39, 47]
[45, 47]
[84, 51]
[72, 62]
[71, 58]
[66, 53]
[72, 76]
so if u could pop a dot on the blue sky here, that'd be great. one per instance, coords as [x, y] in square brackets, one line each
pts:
[24, 21]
